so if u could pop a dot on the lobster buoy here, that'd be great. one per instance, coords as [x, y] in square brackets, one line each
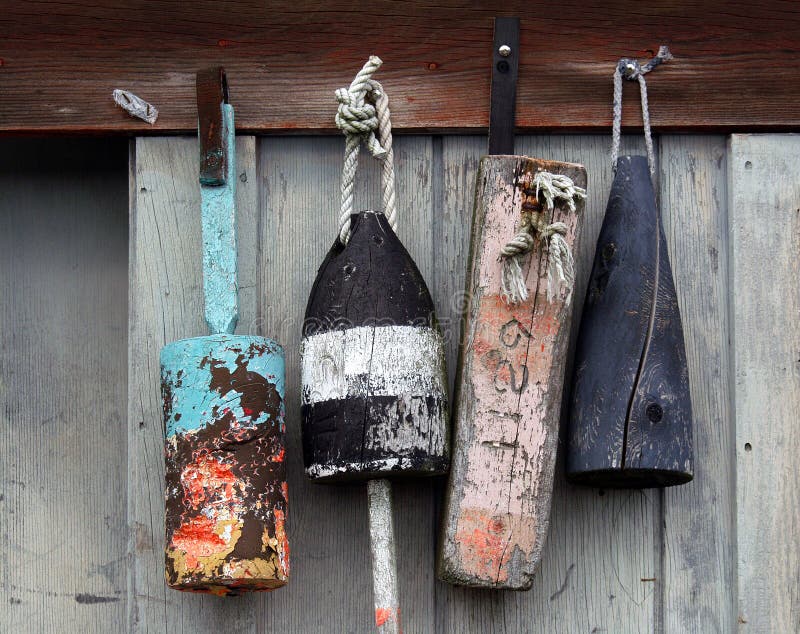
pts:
[226, 493]
[374, 386]
[374, 399]
[631, 416]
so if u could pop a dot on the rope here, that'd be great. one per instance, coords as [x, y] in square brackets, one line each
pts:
[554, 188]
[631, 70]
[363, 109]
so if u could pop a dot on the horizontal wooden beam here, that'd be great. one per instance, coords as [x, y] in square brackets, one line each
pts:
[735, 67]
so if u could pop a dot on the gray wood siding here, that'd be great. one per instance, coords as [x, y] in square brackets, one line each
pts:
[63, 307]
[716, 555]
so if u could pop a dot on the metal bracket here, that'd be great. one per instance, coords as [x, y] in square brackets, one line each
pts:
[505, 68]
[212, 94]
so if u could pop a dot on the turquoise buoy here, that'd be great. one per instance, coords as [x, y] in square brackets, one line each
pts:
[223, 397]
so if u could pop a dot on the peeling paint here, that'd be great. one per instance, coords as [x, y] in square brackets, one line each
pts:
[226, 493]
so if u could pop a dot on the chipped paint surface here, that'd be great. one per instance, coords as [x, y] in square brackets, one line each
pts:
[218, 204]
[371, 361]
[508, 404]
[226, 493]
[387, 616]
[180, 360]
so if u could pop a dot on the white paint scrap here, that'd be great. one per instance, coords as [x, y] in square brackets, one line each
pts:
[135, 106]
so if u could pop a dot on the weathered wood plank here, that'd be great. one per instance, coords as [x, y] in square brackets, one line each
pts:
[63, 272]
[508, 399]
[601, 553]
[61, 60]
[166, 303]
[699, 518]
[764, 212]
[328, 529]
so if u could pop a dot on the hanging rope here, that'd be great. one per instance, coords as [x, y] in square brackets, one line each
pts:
[363, 109]
[631, 70]
[554, 189]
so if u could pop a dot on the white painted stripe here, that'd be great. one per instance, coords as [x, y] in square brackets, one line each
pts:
[373, 361]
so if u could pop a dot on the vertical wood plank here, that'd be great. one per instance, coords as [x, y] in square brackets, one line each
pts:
[63, 280]
[300, 201]
[166, 303]
[602, 549]
[699, 517]
[764, 209]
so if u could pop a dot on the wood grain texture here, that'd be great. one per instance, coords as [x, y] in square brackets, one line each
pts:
[698, 552]
[609, 562]
[497, 508]
[63, 272]
[764, 210]
[166, 303]
[59, 62]
[66, 310]
[601, 551]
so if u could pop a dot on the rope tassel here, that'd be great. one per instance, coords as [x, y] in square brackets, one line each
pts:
[554, 189]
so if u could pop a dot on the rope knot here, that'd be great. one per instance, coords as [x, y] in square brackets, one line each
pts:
[556, 228]
[363, 116]
[358, 119]
[553, 188]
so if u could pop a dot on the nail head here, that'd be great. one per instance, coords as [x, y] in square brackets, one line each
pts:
[504, 50]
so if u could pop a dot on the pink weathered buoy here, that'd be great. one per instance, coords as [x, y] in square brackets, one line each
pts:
[525, 226]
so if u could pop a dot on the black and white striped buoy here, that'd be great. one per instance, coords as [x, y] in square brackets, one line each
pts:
[374, 379]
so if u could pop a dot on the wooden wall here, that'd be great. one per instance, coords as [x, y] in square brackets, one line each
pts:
[63, 342]
[715, 555]
[60, 60]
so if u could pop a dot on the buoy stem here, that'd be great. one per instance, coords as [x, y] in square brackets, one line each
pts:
[384, 560]
[218, 203]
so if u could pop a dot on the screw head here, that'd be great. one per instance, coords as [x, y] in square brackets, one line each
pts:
[504, 50]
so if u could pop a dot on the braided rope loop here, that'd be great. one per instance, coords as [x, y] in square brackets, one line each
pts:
[363, 110]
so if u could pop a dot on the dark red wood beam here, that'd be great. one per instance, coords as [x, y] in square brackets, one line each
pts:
[735, 68]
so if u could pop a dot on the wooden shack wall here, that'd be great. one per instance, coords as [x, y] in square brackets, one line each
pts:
[81, 500]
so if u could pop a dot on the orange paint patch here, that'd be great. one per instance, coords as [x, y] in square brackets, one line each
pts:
[198, 538]
[382, 615]
[496, 525]
[481, 347]
[504, 374]
[282, 540]
[207, 478]
[483, 543]
[278, 457]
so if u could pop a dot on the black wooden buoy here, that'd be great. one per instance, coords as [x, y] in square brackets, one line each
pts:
[631, 418]
[374, 387]
[374, 381]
